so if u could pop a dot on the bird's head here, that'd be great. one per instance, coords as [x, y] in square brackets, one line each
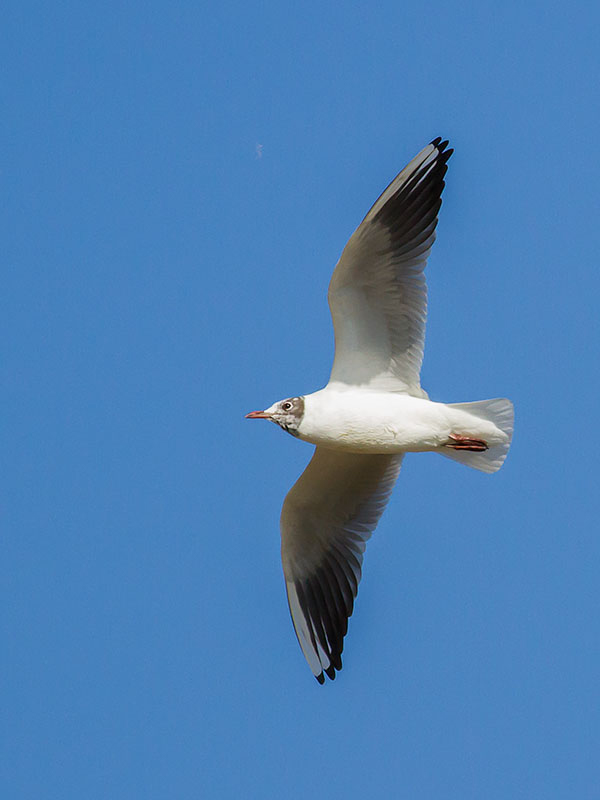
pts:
[286, 413]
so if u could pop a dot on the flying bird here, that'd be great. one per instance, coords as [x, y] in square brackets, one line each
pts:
[372, 411]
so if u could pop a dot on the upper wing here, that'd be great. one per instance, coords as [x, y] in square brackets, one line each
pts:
[378, 294]
[327, 517]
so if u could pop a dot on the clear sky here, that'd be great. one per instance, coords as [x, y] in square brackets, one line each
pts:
[177, 183]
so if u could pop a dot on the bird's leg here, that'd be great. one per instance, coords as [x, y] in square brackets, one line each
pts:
[459, 442]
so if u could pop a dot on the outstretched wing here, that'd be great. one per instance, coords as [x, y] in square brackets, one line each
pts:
[327, 518]
[378, 294]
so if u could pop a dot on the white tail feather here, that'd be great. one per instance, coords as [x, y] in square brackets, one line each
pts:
[501, 413]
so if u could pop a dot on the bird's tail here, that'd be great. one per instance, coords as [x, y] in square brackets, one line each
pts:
[501, 413]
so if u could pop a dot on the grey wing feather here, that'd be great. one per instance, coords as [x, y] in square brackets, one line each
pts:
[327, 518]
[378, 293]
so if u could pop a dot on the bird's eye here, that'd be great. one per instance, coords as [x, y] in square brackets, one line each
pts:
[287, 406]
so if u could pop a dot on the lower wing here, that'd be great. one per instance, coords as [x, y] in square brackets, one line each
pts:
[326, 520]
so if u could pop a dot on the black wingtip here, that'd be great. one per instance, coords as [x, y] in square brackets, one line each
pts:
[441, 146]
[329, 671]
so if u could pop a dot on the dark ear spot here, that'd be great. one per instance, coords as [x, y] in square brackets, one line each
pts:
[299, 407]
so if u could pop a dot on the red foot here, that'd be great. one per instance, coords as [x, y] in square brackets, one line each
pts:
[465, 443]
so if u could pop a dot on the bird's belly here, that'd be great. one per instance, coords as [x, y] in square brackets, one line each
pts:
[383, 433]
[380, 441]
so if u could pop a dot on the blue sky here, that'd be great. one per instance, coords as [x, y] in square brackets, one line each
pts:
[178, 181]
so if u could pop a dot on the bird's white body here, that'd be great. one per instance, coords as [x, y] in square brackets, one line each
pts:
[384, 422]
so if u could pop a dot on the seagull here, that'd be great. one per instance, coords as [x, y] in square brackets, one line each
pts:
[372, 411]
